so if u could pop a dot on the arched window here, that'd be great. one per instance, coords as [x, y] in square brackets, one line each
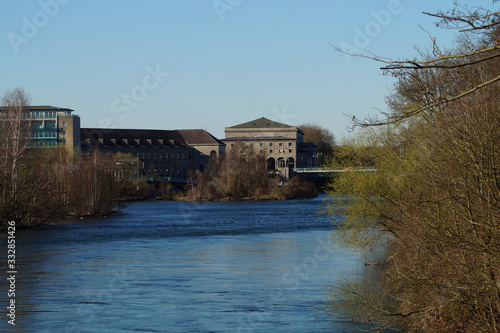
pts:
[271, 164]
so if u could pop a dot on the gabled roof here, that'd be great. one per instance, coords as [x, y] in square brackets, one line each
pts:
[198, 137]
[262, 123]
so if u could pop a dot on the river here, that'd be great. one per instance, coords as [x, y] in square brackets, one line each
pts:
[181, 267]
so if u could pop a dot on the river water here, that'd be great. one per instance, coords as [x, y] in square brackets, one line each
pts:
[181, 267]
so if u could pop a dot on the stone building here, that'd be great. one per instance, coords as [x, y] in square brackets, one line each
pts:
[207, 144]
[282, 144]
[162, 154]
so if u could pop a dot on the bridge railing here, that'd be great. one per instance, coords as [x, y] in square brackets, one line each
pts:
[327, 170]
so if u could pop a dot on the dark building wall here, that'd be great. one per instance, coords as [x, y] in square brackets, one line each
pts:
[162, 154]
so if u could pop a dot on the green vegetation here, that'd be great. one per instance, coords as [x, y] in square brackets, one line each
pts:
[434, 204]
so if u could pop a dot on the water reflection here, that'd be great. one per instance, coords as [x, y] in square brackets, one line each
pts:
[160, 267]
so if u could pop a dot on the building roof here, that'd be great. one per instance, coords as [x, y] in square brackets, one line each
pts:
[131, 138]
[198, 137]
[262, 123]
[47, 107]
[43, 107]
[258, 138]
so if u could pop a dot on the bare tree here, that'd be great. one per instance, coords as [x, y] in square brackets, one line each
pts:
[15, 133]
[480, 26]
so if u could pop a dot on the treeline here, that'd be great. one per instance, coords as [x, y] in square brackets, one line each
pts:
[51, 184]
[241, 174]
[38, 186]
[434, 204]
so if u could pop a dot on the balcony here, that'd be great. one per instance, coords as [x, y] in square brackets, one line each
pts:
[45, 128]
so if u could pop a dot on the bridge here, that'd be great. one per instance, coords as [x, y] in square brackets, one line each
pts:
[327, 172]
[321, 176]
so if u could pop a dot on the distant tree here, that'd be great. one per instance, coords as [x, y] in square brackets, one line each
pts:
[322, 137]
[96, 190]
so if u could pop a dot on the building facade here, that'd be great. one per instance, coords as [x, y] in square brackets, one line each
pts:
[52, 126]
[205, 143]
[162, 154]
[282, 144]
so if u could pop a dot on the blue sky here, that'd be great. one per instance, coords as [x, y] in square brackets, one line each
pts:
[166, 64]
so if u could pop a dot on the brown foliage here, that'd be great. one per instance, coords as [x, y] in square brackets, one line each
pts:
[241, 175]
[322, 137]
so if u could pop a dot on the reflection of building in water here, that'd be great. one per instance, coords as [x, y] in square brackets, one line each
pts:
[282, 144]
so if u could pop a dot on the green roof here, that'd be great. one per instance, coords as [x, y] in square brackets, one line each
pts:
[262, 123]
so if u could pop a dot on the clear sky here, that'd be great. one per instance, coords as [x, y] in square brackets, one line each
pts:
[172, 64]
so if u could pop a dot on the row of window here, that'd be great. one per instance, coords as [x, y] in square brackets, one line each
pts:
[281, 151]
[270, 144]
[162, 156]
[41, 114]
[177, 173]
[44, 135]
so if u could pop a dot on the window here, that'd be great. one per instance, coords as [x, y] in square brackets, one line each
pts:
[281, 144]
[232, 144]
[289, 143]
[270, 144]
[261, 144]
[289, 150]
[64, 122]
[270, 150]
